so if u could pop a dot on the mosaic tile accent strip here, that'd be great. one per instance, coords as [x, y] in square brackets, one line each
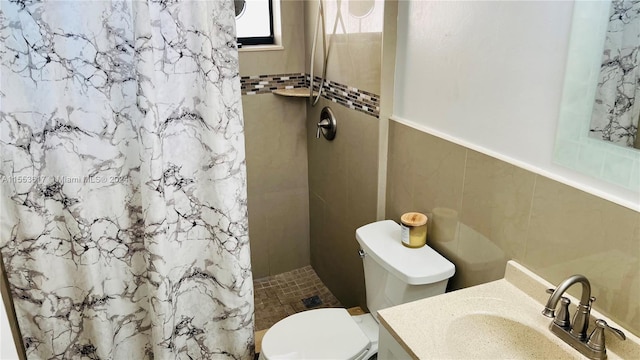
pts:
[263, 84]
[351, 97]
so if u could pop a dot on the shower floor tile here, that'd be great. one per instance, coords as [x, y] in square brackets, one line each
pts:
[279, 296]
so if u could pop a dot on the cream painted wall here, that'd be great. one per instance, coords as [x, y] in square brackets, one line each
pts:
[489, 75]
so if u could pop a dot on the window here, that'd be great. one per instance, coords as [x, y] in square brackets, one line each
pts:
[254, 22]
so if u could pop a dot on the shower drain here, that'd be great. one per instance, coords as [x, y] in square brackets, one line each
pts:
[312, 301]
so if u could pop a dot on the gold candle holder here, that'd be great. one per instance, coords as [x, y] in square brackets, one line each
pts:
[414, 229]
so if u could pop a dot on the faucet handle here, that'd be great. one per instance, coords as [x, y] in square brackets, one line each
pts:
[563, 319]
[323, 124]
[596, 339]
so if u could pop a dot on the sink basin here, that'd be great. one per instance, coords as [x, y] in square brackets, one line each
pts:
[497, 320]
[482, 325]
[497, 337]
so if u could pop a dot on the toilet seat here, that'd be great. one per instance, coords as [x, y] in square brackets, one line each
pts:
[315, 334]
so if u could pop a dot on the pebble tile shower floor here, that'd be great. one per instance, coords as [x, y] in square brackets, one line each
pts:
[279, 296]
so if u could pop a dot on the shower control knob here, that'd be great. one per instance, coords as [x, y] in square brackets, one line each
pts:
[324, 124]
[327, 125]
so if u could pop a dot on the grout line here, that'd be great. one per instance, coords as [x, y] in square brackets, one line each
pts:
[464, 181]
[533, 196]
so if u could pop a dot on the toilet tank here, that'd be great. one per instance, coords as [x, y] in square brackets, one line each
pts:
[395, 274]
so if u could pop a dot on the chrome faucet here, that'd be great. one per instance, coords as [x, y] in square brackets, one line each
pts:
[575, 333]
[581, 319]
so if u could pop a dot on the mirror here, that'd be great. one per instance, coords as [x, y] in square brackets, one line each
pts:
[574, 147]
[616, 109]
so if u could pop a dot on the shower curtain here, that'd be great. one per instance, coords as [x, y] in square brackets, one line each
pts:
[616, 111]
[123, 189]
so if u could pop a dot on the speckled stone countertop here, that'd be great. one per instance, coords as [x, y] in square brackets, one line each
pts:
[497, 320]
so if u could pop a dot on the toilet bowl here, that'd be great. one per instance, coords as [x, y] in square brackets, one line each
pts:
[394, 274]
[321, 334]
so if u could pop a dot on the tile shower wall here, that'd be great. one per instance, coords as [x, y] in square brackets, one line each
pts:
[276, 151]
[485, 211]
[343, 172]
[276, 147]
[274, 184]
[354, 43]
[342, 197]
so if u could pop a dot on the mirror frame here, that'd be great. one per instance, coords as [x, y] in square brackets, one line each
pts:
[574, 148]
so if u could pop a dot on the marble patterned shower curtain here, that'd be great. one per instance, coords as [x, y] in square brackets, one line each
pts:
[123, 189]
[616, 110]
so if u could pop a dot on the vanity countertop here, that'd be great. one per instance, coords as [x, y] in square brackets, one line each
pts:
[500, 319]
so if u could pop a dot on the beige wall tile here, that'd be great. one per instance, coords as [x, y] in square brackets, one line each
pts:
[573, 232]
[399, 170]
[310, 14]
[339, 265]
[327, 159]
[362, 170]
[288, 230]
[354, 57]
[354, 60]
[492, 225]
[325, 245]
[619, 287]
[317, 221]
[623, 297]
[496, 202]
[258, 236]
[560, 217]
[276, 152]
[439, 171]
[357, 142]
[430, 169]
[343, 187]
[275, 142]
[509, 213]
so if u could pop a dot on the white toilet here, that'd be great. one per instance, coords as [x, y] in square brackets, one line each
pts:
[394, 274]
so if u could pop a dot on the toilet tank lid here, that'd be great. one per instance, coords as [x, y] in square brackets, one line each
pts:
[381, 241]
